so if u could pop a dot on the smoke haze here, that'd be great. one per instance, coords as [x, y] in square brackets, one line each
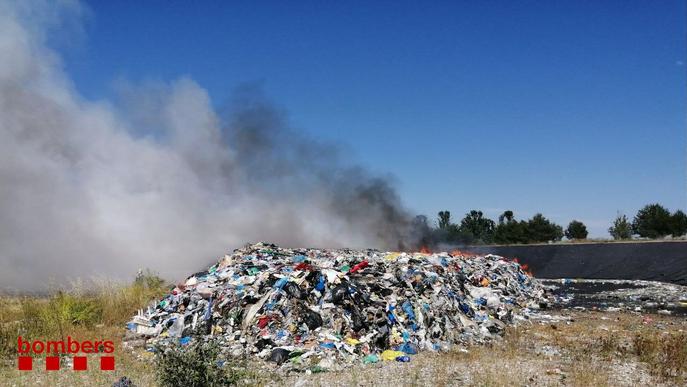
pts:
[156, 178]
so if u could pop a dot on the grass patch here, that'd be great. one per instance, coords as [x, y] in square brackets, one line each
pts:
[101, 313]
[610, 344]
[74, 313]
[665, 354]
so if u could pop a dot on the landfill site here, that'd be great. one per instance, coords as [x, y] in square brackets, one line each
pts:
[345, 317]
[239, 193]
[267, 315]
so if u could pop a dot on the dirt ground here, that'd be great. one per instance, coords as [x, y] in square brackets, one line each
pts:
[575, 348]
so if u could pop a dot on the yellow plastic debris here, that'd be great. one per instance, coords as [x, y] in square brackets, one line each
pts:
[391, 355]
[352, 341]
[396, 337]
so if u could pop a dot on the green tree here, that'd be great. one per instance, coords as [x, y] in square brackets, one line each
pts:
[444, 220]
[507, 215]
[576, 230]
[621, 228]
[480, 227]
[652, 221]
[540, 229]
[678, 223]
[509, 230]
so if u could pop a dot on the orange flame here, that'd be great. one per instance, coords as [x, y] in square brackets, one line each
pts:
[526, 268]
[425, 250]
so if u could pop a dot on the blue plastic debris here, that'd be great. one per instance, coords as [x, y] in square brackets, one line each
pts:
[280, 304]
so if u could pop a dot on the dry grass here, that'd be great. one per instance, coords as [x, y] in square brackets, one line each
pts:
[594, 350]
[126, 365]
[95, 314]
[666, 355]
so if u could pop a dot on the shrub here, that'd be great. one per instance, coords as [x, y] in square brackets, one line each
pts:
[196, 365]
[74, 309]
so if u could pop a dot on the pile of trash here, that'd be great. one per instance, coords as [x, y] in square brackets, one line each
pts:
[325, 309]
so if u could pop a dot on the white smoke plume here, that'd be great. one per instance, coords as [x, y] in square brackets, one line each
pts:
[156, 178]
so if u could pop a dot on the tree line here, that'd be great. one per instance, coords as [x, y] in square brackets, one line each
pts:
[653, 221]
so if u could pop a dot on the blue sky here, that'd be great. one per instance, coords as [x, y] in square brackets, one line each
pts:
[574, 109]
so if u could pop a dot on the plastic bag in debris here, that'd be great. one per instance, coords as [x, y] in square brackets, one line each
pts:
[325, 309]
[391, 355]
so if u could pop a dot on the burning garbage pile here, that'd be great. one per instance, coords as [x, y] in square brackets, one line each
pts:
[307, 308]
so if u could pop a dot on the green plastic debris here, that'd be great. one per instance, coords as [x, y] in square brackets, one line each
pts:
[297, 360]
[370, 359]
[253, 271]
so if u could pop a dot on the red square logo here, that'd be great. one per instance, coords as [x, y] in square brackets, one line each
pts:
[107, 363]
[52, 363]
[80, 363]
[25, 363]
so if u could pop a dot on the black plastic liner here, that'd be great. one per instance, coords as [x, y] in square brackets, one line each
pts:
[653, 261]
